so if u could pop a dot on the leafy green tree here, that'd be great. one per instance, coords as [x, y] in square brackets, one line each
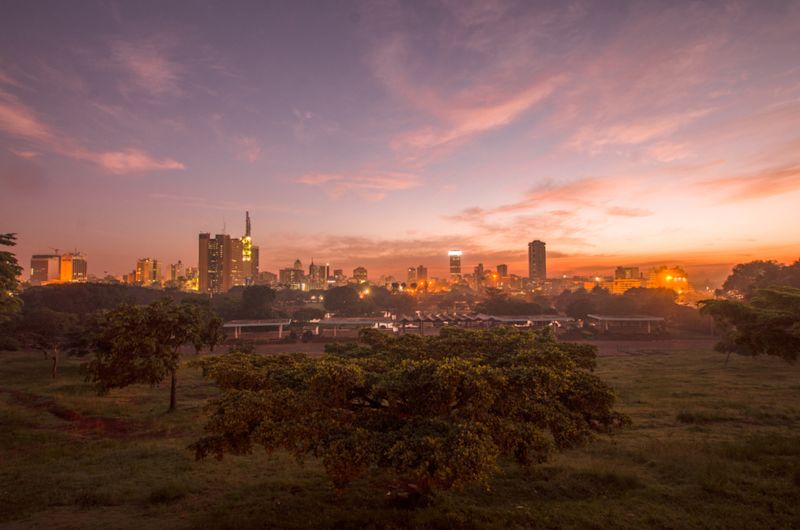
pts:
[501, 304]
[257, 302]
[769, 324]
[746, 278]
[308, 313]
[50, 332]
[343, 300]
[141, 344]
[434, 411]
[208, 331]
[9, 270]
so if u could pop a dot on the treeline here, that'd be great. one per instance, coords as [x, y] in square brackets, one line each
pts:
[747, 278]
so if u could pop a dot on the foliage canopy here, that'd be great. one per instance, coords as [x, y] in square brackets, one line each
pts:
[769, 324]
[9, 270]
[437, 411]
[141, 344]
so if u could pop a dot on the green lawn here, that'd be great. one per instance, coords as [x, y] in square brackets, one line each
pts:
[710, 447]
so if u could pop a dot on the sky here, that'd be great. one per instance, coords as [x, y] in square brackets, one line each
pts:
[384, 133]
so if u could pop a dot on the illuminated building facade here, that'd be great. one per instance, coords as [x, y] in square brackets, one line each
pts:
[674, 278]
[148, 272]
[225, 262]
[45, 268]
[537, 261]
[626, 278]
[211, 263]
[455, 263]
[58, 268]
[360, 275]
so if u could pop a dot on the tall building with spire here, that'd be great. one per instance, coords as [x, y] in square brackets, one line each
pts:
[225, 262]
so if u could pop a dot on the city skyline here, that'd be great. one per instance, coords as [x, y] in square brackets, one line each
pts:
[620, 134]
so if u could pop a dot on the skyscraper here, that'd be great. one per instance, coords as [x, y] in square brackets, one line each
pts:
[455, 262]
[73, 267]
[360, 274]
[211, 262]
[45, 268]
[502, 270]
[249, 262]
[148, 272]
[422, 273]
[225, 262]
[537, 261]
[411, 276]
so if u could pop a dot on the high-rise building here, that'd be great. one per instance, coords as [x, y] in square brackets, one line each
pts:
[226, 262]
[537, 261]
[233, 271]
[148, 272]
[73, 268]
[339, 277]
[211, 263]
[45, 268]
[455, 262]
[627, 273]
[422, 273]
[411, 275]
[249, 263]
[502, 270]
[176, 271]
[360, 274]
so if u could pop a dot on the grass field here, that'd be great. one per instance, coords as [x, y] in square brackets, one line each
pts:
[710, 447]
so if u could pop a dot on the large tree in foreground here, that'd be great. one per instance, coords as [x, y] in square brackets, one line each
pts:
[9, 270]
[141, 344]
[769, 324]
[436, 412]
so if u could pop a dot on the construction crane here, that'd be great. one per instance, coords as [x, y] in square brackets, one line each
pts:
[53, 249]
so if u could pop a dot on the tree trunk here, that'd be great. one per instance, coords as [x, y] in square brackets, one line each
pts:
[55, 362]
[172, 386]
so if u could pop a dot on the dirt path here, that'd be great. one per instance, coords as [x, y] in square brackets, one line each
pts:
[92, 426]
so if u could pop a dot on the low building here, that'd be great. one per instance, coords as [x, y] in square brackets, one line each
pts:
[626, 324]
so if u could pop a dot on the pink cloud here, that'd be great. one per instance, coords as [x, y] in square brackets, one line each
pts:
[595, 138]
[369, 186]
[765, 183]
[470, 114]
[16, 119]
[628, 212]
[150, 69]
[128, 161]
[248, 149]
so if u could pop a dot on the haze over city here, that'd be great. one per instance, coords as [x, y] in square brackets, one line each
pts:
[384, 134]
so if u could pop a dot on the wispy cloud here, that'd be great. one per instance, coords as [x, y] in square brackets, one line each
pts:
[628, 212]
[757, 185]
[369, 186]
[149, 69]
[20, 121]
[248, 149]
[595, 139]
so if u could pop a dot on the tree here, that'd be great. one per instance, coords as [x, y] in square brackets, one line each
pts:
[344, 300]
[208, 330]
[50, 332]
[747, 278]
[140, 344]
[308, 313]
[257, 302]
[9, 270]
[500, 304]
[436, 411]
[769, 324]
